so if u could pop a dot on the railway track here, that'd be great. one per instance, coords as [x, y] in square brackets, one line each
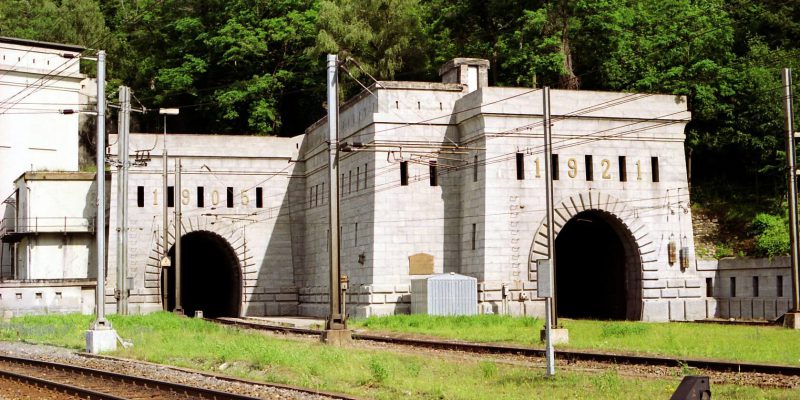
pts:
[89, 383]
[576, 355]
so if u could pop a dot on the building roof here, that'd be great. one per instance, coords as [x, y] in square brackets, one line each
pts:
[37, 43]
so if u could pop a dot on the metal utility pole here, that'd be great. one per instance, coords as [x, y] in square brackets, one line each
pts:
[792, 172]
[165, 261]
[100, 226]
[550, 314]
[100, 336]
[123, 130]
[178, 234]
[336, 319]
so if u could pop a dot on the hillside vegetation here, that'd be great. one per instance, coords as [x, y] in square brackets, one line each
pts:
[248, 66]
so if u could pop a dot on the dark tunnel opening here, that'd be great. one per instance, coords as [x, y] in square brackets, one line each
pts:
[596, 276]
[210, 276]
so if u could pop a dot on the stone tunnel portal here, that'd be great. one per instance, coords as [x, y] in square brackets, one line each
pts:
[210, 276]
[598, 271]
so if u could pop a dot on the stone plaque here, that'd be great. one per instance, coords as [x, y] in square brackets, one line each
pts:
[420, 264]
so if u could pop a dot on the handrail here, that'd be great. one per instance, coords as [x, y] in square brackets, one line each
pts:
[46, 224]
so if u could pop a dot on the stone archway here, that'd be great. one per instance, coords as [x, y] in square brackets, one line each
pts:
[615, 219]
[234, 237]
[211, 276]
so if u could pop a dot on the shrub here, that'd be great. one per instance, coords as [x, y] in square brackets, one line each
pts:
[771, 235]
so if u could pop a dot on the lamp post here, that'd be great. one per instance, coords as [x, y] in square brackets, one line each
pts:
[165, 261]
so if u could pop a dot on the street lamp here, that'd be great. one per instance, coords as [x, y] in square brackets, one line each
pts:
[165, 262]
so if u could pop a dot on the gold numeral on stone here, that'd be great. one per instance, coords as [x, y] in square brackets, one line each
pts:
[606, 166]
[185, 197]
[639, 170]
[572, 164]
[538, 172]
[245, 199]
[214, 197]
[155, 197]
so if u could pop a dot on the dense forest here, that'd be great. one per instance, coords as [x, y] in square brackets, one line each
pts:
[256, 66]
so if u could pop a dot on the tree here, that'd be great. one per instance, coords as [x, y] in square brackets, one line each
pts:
[382, 35]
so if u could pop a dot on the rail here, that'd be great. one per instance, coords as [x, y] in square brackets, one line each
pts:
[605, 357]
[94, 383]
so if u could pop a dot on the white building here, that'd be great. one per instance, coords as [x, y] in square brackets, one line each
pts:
[47, 216]
[434, 178]
[443, 177]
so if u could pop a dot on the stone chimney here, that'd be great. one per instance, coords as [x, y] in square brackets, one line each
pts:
[472, 72]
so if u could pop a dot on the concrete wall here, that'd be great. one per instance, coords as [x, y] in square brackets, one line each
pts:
[48, 296]
[733, 291]
[57, 220]
[36, 81]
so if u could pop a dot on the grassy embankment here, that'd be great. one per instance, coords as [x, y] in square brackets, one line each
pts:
[167, 339]
[766, 344]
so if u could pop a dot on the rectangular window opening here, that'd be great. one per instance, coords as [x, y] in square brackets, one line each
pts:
[365, 175]
[589, 167]
[355, 235]
[520, 166]
[475, 168]
[709, 287]
[733, 286]
[434, 177]
[404, 173]
[474, 235]
[322, 194]
[341, 186]
[780, 286]
[229, 196]
[259, 197]
[623, 169]
[358, 178]
[654, 168]
[349, 181]
[140, 196]
[170, 196]
[554, 166]
[755, 286]
[201, 196]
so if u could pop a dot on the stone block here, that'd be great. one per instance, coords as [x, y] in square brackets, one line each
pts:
[529, 285]
[101, 340]
[655, 311]
[695, 309]
[557, 335]
[285, 297]
[694, 283]
[675, 283]
[654, 284]
[669, 293]
[791, 320]
[769, 310]
[712, 308]
[677, 310]
[746, 309]
[690, 292]
[651, 293]
[758, 309]
[724, 309]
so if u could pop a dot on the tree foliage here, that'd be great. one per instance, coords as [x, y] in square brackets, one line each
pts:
[256, 66]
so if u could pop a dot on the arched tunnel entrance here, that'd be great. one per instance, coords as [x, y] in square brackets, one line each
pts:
[211, 278]
[598, 269]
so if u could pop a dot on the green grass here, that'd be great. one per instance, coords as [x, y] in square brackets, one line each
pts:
[192, 343]
[740, 343]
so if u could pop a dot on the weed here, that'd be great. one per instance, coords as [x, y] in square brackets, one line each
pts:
[378, 371]
[488, 369]
[621, 329]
